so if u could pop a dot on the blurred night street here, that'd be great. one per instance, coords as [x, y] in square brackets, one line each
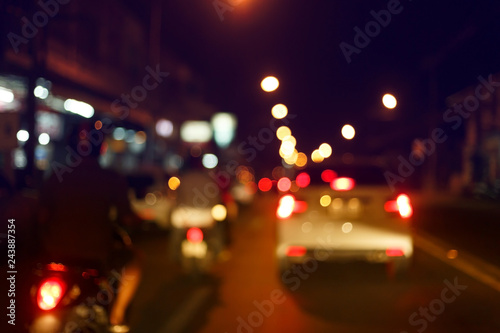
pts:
[250, 166]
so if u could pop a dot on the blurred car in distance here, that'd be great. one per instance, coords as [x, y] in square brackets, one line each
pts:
[344, 213]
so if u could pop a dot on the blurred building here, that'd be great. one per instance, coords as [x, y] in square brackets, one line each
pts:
[475, 153]
[105, 54]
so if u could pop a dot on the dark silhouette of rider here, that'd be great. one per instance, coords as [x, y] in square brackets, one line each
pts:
[77, 215]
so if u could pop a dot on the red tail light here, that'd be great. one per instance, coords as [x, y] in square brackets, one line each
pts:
[296, 251]
[286, 206]
[194, 235]
[342, 184]
[401, 205]
[50, 293]
[394, 252]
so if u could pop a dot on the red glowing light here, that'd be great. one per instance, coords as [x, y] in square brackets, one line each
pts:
[50, 293]
[328, 175]
[194, 235]
[284, 184]
[265, 184]
[394, 252]
[296, 251]
[303, 180]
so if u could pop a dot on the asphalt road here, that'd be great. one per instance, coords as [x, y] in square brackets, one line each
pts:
[245, 294]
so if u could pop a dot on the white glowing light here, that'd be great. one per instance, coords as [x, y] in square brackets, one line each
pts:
[41, 92]
[164, 128]
[80, 108]
[23, 135]
[43, 139]
[210, 161]
[6, 95]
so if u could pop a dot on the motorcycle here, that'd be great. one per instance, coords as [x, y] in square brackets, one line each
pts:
[73, 296]
[198, 237]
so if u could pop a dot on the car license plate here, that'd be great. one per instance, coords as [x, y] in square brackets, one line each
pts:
[197, 250]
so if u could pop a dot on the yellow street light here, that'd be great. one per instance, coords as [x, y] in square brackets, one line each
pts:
[389, 101]
[279, 111]
[348, 132]
[325, 150]
[269, 84]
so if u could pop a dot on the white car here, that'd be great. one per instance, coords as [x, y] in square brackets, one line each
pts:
[345, 213]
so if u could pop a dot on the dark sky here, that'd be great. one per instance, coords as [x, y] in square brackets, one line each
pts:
[298, 41]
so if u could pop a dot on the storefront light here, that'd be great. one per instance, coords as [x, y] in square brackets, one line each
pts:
[43, 139]
[22, 135]
[6, 95]
[41, 92]
[80, 108]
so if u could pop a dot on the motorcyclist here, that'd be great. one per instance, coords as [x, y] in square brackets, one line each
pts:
[76, 216]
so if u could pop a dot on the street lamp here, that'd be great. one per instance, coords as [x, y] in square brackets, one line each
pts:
[269, 84]
[348, 132]
[389, 101]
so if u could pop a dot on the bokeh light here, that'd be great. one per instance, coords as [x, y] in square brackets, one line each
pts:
[279, 111]
[325, 150]
[284, 184]
[303, 179]
[301, 160]
[348, 132]
[389, 101]
[283, 132]
[269, 84]
[325, 200]
[173, 183]
[265, 184]
[316, 156]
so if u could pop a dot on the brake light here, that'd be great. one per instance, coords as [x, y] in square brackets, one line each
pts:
[401, 205]
[50, 293]
[300, 206]
[194, 235]
[286, 206]
[303, 180]
[328, 175]
[56, 267]
[342, 184]
[296, 251]
[394, 252]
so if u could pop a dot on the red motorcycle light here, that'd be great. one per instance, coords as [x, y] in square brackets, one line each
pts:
[50, 293]
[194, 235]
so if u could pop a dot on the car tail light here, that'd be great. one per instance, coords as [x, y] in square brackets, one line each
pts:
[194, 235]
[342, 184]
[296, 251]
[50, 293]
[401, 205]
[286, 206]
[394, 252]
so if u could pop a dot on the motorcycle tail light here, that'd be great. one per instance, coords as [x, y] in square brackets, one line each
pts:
[50, 293]
[194, 235]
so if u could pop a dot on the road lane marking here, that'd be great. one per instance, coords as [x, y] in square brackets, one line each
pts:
[475, 267]
[178, 322]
